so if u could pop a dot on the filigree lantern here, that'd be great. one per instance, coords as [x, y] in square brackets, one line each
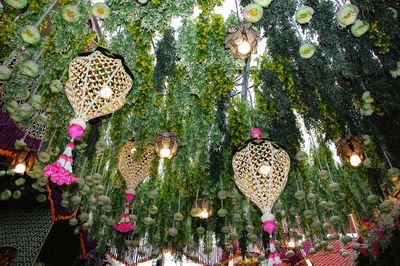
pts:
[134, 169]
[242, 41]
[261, 171]
[98, 84]
[351, 149]
[166, 144]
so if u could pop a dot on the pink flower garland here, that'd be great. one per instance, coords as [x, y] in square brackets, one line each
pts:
[125, 225]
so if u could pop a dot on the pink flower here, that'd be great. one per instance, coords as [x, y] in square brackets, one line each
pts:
[364, 252]
[123, 227]
[129, 197]
[376, 252]
[375, 244]
[397, 223]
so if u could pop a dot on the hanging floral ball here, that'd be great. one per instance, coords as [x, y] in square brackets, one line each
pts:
[76, 200]
[56, 86]
[233, 236]
[225, 229]
[333, 236]
[85, 190]
[334, 187]
[359, 28]
[301, 156]
[97, 178]
[329, 248]
[92, 200]
[87, 225]
[252, 13]
[326, 226]
[73, 221]
[323, 174]
[395, 73]
[43, 157]
[30, 69]
[311, 197]
[36, 101]
[289, 253]
[200, 230]
[194, 212]
[249, 228]
[19, 182]
[263, 3]
[103, 199]
[372, 199]
[367, 163]
[172, 231]
[386, 206]
[293, 211]
[304, 14]
[344, 254]
[278, 206]
[153, 209]
[335, 220]
[307, 50]
[6, 195]
[41, 119]
[5, 72]
[299, 194]
[308, 214]
[178, 216]
[70, 13]
[347, 15]
[132, 217]
[101, 146]
[148, 221]
[84, 216]
[30, 34]
[103, 218]
[17, 195]
[252, 237]
[346, 239]
[330, 205]
[222, 194]
[312, 251]
[106, 208]
[367, 98]
[222, 212]
[80, 181]
[93, 208]
[236, 217]
[101, 11]
[393, 172]
[17, 4]
[261, 257]
[65, 203]
[367, 109]
[316, 224]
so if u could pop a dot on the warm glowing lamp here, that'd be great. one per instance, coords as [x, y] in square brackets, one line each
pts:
[165, 152]
[106, 92]
[244, 48]
[355, 160]
[264, 169]
[20, 168]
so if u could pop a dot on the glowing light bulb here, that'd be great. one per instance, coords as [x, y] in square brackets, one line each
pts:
[355, 160]
[291, 244]
[204, 214]
[20, 168]
[106, 92]
[244, 48]
[264, 169]
[165, 153]
[133, 150]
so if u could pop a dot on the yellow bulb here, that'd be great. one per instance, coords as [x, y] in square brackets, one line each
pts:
[264, 169]
[106, 92]
[204, 214]
[20, 168]
[355, 160]
[291, 244]
[133, 150]
[165, 153]
[244, 48]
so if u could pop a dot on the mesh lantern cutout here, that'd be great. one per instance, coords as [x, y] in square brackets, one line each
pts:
[242, 41]
[97, 86]
[351, 149]
[166, 145]
[134, 170]
[261, 171]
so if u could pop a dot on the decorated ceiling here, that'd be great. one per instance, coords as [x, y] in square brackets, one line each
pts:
[186, 125]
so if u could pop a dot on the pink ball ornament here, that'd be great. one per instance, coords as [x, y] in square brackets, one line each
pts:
[256, 133]
[269, 226]
[75, 131]
[129, 197]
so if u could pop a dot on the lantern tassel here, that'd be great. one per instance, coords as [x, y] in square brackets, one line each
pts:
[125, 225]
[60, 172]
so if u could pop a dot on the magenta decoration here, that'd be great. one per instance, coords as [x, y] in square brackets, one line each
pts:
[256, 133]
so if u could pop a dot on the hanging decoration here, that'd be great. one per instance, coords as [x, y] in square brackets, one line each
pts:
[351, 149]
[261, 170]
[347, 15]
[203, 209]
[242, 41]
[252, 12]
[304, 14]
[97, 86]
[134, 170]
[23, 161]
[166, 145]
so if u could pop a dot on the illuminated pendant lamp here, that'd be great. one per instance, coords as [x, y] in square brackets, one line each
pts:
[242, 41]
[134, 170]
[98, 84]
[261, 171]
[351, 149]
[166, 145]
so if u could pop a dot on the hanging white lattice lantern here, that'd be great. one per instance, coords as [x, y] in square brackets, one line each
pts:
[261, 171]
[134, 169]
[97, 86]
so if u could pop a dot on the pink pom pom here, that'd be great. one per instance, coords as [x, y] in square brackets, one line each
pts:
[71, 145]
[123, 227]
[75, 131]
[129, 197]
[269, 226]
[256, 133]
